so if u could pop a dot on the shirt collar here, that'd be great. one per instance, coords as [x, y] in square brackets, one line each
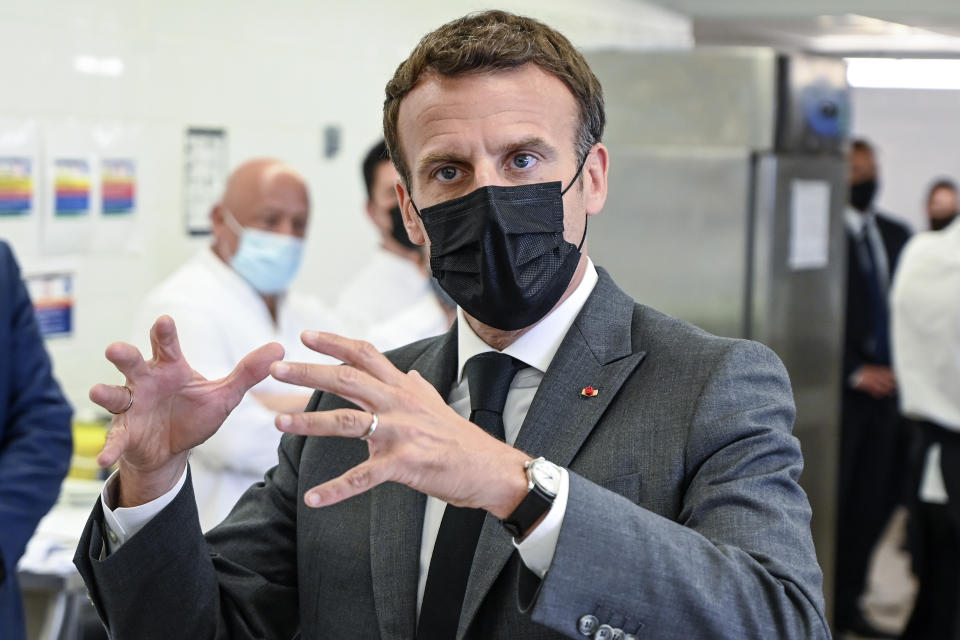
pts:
[856, 221]
[537, 346]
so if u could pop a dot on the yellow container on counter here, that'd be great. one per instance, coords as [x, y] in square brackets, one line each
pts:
[88, 439]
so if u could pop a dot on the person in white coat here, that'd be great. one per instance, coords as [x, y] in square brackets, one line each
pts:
[230, 298]
[391, 301]
[925, 300]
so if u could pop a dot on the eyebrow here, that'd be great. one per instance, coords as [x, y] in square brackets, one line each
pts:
[535, 143]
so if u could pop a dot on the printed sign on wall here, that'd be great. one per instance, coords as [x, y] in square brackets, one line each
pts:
[16, 186]
[118, 179]
[71, 187]
[52, 296]
[205, 174]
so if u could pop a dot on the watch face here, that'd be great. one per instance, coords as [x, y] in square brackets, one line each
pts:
[547, 476]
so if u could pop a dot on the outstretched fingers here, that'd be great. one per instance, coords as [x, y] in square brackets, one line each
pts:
[251, 370]
[164, 340]
[111, 397]
[344, 423]
[346, 381]
[127, 359]
[357, 480]
[358, 353]
[117, 440]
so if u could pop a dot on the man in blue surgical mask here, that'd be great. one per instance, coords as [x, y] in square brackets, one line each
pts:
[233, 296]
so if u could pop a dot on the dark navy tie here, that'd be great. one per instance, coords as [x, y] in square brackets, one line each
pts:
[489, 376]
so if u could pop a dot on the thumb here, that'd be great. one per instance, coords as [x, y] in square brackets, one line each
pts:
[251, 370]
[115, 445]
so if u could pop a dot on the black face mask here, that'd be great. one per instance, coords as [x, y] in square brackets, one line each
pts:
[939, 224]
[442, 296]
[862, 193]
[398, 232]
[500, 254]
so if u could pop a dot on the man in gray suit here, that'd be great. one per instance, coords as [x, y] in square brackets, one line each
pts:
[621, 475]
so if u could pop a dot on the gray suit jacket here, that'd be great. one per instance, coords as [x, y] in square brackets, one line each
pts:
[684, 518]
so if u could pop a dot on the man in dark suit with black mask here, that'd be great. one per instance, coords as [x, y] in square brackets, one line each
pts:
[872, 451]
[563, 463]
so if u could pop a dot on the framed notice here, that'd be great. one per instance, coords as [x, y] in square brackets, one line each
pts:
[205, 167]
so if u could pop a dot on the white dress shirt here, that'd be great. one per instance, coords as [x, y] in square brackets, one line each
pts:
[535, 348]
[925, 302]
[220, 318]
[859, 223]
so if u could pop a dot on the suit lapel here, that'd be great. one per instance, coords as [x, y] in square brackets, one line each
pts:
[596, 352]
[396, 518]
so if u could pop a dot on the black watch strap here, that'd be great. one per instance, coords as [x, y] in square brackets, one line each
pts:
[536, 503]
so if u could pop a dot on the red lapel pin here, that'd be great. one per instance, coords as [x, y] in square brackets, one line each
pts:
[589, 392]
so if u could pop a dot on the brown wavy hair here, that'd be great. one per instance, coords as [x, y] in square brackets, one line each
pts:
[492, 41]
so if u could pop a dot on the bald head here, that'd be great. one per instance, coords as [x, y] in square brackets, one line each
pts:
[261, 194]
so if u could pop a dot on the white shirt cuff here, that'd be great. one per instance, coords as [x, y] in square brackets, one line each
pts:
[932, 488]
[537, 549]
[124, 522]
[854, 378]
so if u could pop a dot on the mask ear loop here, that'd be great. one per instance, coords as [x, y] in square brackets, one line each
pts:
[410, 193]
[232, 222]
[583, 238]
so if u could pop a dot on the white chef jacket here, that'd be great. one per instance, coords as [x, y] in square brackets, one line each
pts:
[536, 348]
[925, 302]
[386, 285]
[220, 318]
[424, 318]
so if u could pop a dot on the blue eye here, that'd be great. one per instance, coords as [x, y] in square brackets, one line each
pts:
[447, 173]
[523, 161]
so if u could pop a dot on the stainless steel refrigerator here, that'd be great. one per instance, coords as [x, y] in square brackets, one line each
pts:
[725, 208]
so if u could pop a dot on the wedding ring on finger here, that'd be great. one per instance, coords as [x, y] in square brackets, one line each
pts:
[373, 427]
[129, 404]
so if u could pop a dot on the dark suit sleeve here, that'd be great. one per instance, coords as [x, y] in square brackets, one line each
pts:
[168, 581]
[35, 437]
[738, 562]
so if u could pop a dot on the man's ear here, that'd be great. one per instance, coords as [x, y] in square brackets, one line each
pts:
[411, 220]
[595, 179]
[218, 223]
[223, 240]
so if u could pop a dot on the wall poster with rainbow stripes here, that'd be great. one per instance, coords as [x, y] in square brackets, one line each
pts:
[118, 180]
[16, 186]
[71, 187]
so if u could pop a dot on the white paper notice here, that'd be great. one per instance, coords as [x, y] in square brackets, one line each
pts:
[809, 224]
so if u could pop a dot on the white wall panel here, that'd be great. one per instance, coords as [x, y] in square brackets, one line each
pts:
[917, 135]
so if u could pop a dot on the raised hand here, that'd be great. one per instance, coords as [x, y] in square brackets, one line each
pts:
[173, 409]
[419, 441]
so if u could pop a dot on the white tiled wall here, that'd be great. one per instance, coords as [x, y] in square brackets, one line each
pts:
[917, 136]
[272, 73]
